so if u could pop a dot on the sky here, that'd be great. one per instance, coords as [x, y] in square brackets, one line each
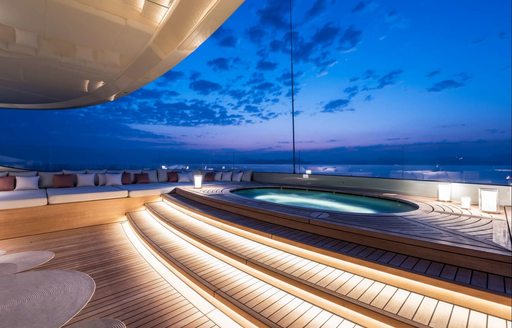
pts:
[376, 82]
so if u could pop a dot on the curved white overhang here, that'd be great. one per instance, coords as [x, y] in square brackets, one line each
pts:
[73, 53]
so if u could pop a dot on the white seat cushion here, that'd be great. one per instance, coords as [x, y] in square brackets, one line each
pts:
[27, 183]
[149, 189]
[152, 175]
[82, 194]
[22, 198]
[226, 176]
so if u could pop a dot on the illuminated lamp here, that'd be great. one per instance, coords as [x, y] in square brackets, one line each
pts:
[465, 202]
[198, 181]
[488, 200]
[305, 176]
[309, 172]
[444, 192]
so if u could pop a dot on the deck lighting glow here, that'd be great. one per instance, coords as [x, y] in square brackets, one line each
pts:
[488, 200]
[305, 176]
[465, 202]
[198, 181]
[444, 192]
[178, 283]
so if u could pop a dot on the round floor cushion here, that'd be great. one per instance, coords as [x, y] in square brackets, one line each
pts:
[47, 298]
[24, 261]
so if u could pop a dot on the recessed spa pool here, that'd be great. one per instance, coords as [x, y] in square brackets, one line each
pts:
[327, 201]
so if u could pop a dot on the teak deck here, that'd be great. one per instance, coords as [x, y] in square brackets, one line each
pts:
[411, 233]
[127, 288]
[262, 266]
[363, 294]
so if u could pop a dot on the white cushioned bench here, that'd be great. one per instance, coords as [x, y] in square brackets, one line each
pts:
[149, 189]
[82, 194]
[22, 198]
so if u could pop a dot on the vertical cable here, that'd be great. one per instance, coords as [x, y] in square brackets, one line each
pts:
[293, 91]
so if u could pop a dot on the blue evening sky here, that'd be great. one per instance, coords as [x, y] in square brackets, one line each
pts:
[393, 81]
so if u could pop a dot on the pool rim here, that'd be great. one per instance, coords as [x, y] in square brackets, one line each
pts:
[416, 206]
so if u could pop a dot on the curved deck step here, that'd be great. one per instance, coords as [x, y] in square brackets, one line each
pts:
[258, 301]
[325, 281]
[481, 285]
[339, 286]
[472, 282]
[393, 233]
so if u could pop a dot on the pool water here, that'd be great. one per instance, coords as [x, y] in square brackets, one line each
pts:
[329, 201]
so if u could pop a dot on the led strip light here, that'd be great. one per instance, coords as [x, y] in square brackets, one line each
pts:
[197, 300]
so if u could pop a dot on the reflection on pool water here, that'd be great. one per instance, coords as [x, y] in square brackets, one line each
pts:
[329, 201]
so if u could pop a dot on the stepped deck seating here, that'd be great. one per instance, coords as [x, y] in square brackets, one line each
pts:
[430, 271]
[253, 298]
[405, 233]
[399, 305]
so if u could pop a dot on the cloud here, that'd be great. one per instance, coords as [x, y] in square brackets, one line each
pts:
[433, 73]
[380, 81]
[252, 109]
[369, 74]
[219, 64]
[360, 6]
[317, 8]
[350, 38]
[275, 15]
[367, 6]
[169, 78]
[264, 86]
[222, 64]
[351, 91]
[266, 65]
[388, 79]
[225, 38]
[194, 75]
[326, 34]
[256, 34]
[280, 45]
[338, 105]
[396, 20]
[445, 84]
[204, 87]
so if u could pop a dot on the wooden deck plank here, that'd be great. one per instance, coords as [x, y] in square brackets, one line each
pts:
[425, 310]
[459, 317]
[441, 315]
[127, 287]
[411, 305]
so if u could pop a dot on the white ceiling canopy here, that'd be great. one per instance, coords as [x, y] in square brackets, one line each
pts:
[72, 53]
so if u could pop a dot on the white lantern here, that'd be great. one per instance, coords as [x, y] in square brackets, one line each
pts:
[488, 200]
[465, 202]
[305, 176]
[308, 172]
[444, 192]
[198, 181]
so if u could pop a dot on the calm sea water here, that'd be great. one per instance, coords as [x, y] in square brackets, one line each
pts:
[499, 174]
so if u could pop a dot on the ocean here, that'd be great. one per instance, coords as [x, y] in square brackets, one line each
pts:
[485, 174]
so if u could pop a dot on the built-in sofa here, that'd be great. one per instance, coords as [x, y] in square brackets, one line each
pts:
[158, 184]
